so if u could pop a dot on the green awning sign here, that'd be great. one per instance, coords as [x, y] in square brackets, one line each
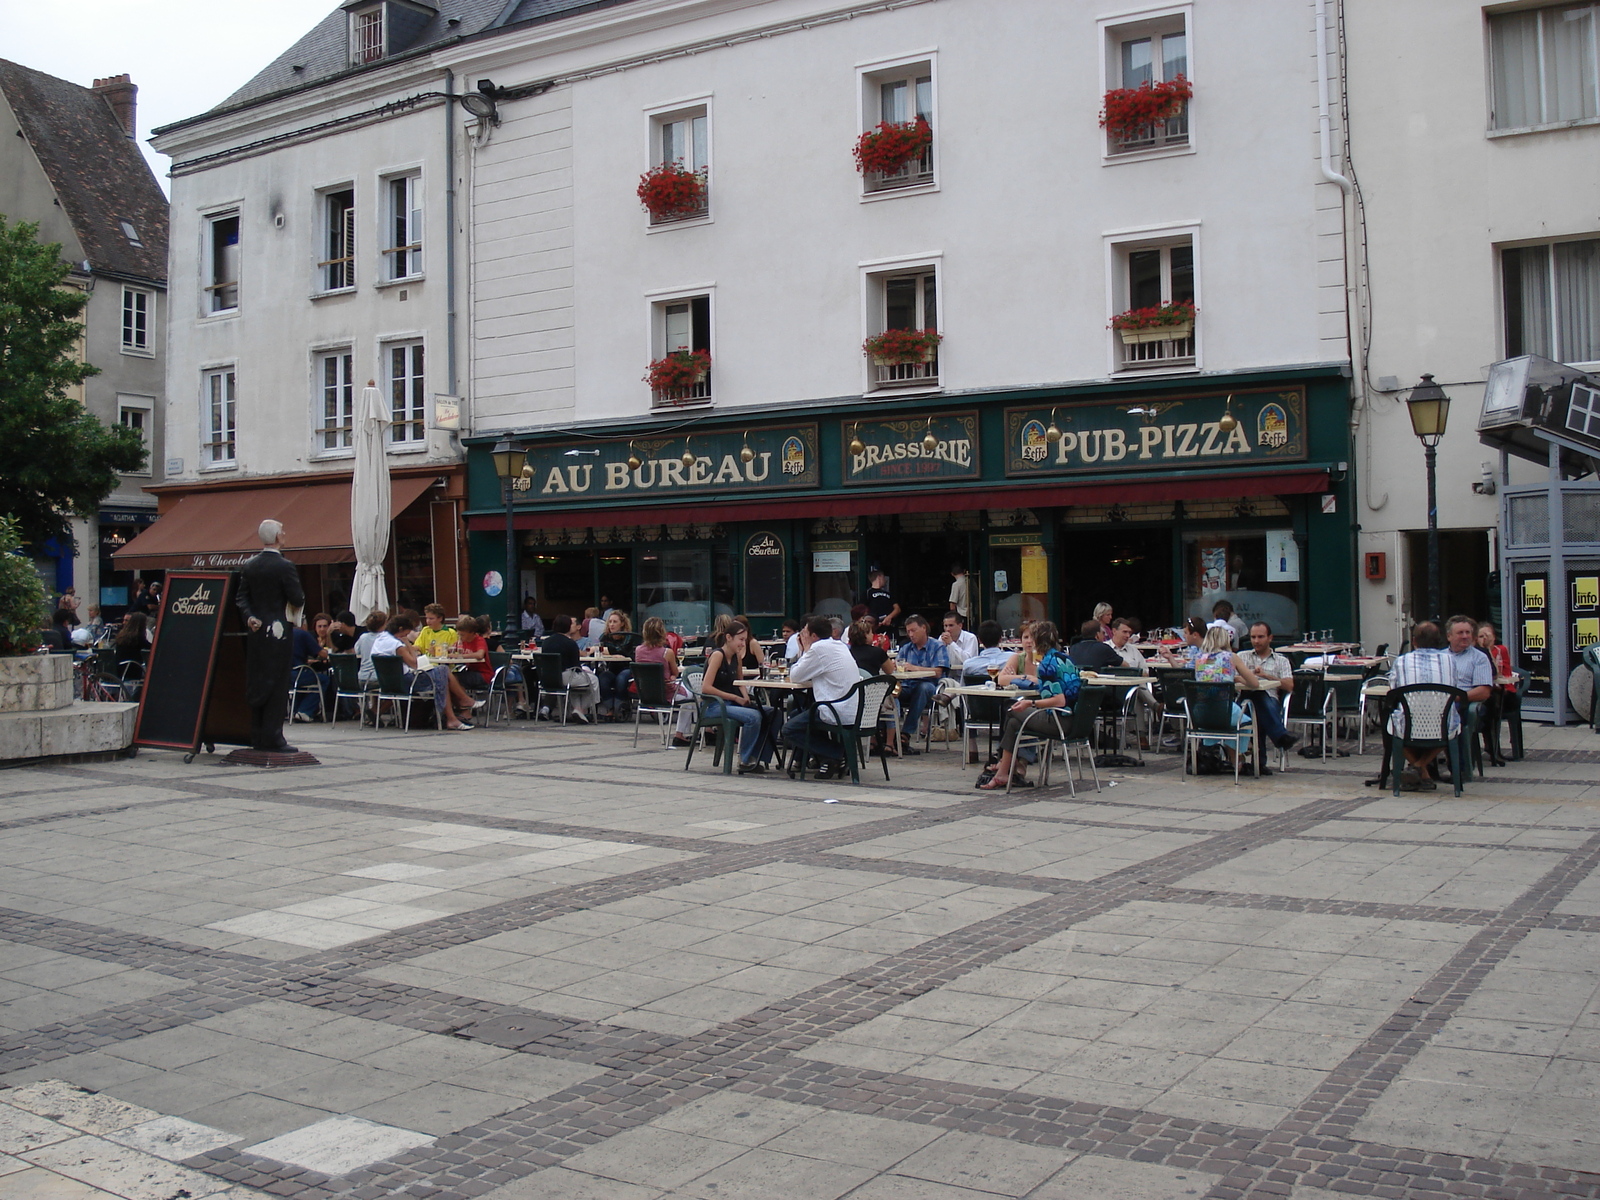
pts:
[1215, 429]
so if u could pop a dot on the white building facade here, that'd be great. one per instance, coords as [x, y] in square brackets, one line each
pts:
[1481, 241]
[1196, 465]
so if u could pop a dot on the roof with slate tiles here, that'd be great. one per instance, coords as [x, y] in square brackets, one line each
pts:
[96, 169]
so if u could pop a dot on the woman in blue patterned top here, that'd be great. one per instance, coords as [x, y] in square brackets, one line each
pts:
[1058, 688]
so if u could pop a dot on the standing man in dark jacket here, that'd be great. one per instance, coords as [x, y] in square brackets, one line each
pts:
[269, 586]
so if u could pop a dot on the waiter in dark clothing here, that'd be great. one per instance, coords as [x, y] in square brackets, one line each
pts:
[269, 586]
[880, 604]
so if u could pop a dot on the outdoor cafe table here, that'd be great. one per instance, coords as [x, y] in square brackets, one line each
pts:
[992, 692]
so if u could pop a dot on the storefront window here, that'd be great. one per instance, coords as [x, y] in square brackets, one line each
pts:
[687, 588]
[764, 581]
[1019, 582]
[831, 582]
[1258, 573]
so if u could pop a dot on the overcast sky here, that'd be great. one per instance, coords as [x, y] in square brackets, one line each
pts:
[185, 55]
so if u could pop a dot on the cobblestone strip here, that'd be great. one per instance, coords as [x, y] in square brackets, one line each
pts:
[1313, 1144]
[105, 811]
[1337, 908]
[1571, 923]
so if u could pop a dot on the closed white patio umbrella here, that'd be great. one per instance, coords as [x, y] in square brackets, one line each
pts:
[370, 504]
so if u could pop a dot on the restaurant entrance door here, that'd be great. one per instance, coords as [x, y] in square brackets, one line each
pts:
[1129, 569]
[918, 566]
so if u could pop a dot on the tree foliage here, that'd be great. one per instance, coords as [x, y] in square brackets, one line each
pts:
[56, 458]
[24, 606]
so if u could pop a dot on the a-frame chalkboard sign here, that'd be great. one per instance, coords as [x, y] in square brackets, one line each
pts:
[193, 691]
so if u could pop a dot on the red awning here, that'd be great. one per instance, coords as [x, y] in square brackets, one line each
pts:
[1124, 491]
[217, 529]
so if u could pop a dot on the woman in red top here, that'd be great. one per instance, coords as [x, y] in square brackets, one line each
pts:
[1494, 710]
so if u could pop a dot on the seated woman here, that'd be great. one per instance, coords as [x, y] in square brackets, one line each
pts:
[311, 648]
[755, 657]
[448, 696]
[470, 644]
[657, 648]
[1501, 697]
[1215, 661]
[868, 657]
[618, 638]
[376, 620]
[723, 699]
[1023, 668]
[1058, 682]
[132, 640]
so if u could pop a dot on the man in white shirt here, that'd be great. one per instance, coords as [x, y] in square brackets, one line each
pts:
[824, 663]
[959, 644]
[1121, 636]
[960, 601]
[1428, 662]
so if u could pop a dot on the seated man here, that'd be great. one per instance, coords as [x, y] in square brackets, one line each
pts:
[920, 651]
[532, 622]
[1120, 641]
[1277, 680]
[976, 667]
[583, 689]
[1222, 614]
[959, 644]
[1089, 653]
[827, 665]
[310, 658]
[435, 637]
[344, 633]
[1428, 662]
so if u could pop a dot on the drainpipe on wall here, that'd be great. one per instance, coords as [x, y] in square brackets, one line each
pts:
[450, 231]
[1324, 119]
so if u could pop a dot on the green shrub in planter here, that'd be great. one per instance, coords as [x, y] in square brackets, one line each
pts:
[24, 604]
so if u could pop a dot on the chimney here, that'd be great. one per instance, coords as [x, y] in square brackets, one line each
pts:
[120, 92]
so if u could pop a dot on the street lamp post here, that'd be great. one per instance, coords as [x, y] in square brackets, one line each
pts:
[1430, 410]
[510, 461]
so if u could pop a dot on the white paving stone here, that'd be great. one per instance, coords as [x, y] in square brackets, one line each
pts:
[339, 1145]
[123, 1171]
[73, 1106]
[172, 1138]
[393, 871]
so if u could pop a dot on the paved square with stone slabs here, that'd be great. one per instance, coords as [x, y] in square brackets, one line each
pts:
[540, 963]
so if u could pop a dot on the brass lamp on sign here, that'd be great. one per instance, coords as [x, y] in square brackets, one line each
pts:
[747, 455]
[857, 446]
[1228, 422]
[929, 442]
[1053, 434]
[688, 455]
[634, 461]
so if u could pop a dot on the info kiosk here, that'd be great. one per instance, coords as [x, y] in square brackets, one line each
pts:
[1548, 413]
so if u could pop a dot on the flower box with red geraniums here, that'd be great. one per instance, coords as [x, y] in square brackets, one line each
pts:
[892, 145]
[679, 371]
[898, 347]
[1129, 111]
[672, 190]
[1157, 323]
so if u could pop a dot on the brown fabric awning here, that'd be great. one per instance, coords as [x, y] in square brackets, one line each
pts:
[217, 530]
[1302, 481]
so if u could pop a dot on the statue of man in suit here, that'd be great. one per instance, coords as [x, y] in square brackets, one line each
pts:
[269, 586]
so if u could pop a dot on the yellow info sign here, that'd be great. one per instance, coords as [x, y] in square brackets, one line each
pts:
[1585, 593]
[1035, 569]
[1585, 632]
[1533, 595]
[1534, 640]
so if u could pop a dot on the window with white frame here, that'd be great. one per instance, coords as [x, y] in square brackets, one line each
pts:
[134, 412]
[366, 35]
[335, 402]
[681, 144]
[1545, 65]
[337, 269]
[1153, 302]
[905, 300]
[682, 333]
[897, 103]
[1152, 54]
[218, 417]
[403, 226]
[408, 411]
[135, 320]
[1552, 300]
[222, 262]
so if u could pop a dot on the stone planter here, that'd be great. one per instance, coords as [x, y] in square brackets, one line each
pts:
[1160, 333]
[900, 360]
[40, 718]
[35, 683]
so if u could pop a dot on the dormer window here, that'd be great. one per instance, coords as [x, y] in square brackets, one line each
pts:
[366, 35]
[382, 28]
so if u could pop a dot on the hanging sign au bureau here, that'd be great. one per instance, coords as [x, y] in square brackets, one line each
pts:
[913, 450]
[1217, 429]
[721, 462]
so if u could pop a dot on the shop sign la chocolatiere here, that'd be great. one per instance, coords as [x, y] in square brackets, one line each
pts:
[1216, 429]
[720, 462]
